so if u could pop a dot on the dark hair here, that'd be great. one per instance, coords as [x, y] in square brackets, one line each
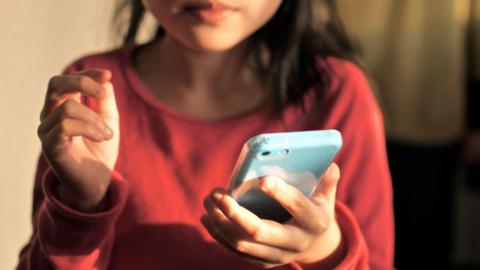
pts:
[296, 38]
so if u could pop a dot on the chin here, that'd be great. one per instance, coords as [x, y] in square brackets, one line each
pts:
[210, 42]
[211, 45]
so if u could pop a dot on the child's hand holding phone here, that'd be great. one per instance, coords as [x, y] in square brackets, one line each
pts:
[276, 211]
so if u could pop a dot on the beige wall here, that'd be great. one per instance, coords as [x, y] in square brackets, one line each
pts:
[38, 38]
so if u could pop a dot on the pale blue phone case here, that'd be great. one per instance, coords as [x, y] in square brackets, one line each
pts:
[299, 158]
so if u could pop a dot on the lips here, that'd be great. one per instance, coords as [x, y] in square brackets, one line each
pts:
[211, 12]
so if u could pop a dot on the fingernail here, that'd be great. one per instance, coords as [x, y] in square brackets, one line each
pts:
[217, 196]
[108, 73]
[269, 183]
[108, 131]
[98, 135]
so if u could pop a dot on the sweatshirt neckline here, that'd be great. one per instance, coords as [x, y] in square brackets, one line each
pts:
[136, 84]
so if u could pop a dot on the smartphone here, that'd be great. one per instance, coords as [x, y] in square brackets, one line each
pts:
[299, 158]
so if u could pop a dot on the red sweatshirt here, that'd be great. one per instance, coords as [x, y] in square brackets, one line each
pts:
[168, 162]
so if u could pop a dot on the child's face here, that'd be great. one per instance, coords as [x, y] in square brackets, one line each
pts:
[211, 25]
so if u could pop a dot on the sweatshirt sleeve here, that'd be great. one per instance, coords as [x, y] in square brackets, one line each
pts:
[365, 186]
[64, 238]
[364, 208]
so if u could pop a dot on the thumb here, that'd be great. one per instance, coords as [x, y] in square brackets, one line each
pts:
[327, 185]
[107, 107]
[106, 104]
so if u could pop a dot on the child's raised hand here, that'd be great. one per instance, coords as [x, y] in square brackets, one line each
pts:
[312, 234]
[79, 142]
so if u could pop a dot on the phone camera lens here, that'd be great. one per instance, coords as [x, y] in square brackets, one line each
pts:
[266, 153]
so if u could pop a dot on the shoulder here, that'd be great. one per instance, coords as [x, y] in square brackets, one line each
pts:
[109, 59]
[340, 67]
[345, 76]
[349, 86]
[349, 104]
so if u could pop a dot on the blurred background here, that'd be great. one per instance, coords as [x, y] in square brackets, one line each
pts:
[422, 57]
[423, 60]
[39, 38]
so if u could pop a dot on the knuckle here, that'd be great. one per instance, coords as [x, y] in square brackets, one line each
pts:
[241, 246]
[258, 234]
[43, 114]
[52, 83]
[81, 81]
[321, 200]
[283, 260]
[68, 107]
[290, 196]
[70, 102]
[63, 126]
[294, 203]
[322, 224]
[90, 130]
[40, 131]
[301, 246]
[97, 121]
[230, 212]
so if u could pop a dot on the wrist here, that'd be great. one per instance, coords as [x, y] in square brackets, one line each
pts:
[86, 204]
[328, 251]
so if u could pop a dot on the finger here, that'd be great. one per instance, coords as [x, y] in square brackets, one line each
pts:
[75, 110]
[209, 225]
[327, 185]
[256, 253]
[73, 86]
[262, 231]
[68, 128]
[302, 209]
[106, 105]
[101, 76]
[215, 234]
[230, 232]
[225, 207]
[264, 253]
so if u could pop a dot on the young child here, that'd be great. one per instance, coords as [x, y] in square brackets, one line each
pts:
[139, 143]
